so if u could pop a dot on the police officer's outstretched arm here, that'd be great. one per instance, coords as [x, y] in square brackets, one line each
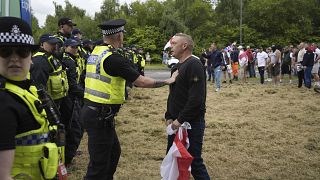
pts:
[7, 157]
[147, 82]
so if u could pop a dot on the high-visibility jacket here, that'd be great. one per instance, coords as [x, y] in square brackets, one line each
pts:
[134, 56]
[77, 61]
[141, 60]
[101, 87]
[35, 156]
[57, 84]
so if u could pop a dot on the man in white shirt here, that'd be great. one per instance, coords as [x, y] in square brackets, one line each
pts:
[298, 65]
[262, 63]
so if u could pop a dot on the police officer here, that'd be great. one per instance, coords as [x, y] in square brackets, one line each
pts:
[48, 71]
[70, 107]
[141, 61]
[65, 29]
[24, 130]
[82, 54]
[106, 74]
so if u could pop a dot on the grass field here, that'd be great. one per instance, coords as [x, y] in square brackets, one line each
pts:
[252, 132]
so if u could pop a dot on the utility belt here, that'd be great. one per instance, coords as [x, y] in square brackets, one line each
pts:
[105, 116]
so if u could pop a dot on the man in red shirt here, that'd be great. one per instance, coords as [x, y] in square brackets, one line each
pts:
[250, 62]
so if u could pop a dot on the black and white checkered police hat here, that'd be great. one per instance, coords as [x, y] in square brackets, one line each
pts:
[15, 32]
[112, 26]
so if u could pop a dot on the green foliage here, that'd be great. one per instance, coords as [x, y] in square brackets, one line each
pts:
[152, 23]
[149, 38]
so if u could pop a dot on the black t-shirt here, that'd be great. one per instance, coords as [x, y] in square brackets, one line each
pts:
[15, 116]
[187, 97]
[117, 65]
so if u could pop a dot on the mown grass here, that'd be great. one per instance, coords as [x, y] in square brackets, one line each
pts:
[252, 132]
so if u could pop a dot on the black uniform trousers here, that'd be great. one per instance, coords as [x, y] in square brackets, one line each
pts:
[70, 110]
[103, 145]
[300, 78]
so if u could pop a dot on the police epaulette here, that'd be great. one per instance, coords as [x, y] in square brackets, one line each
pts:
[2, 82]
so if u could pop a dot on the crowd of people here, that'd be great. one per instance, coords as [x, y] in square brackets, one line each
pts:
[52, 91]
[276, 62]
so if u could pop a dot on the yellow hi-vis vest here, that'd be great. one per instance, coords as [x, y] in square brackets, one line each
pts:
[143, 61]
[78, 68]
[100, 87]
[34, 153]
[57, 84]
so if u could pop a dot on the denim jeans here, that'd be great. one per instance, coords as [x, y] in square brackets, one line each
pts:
[210, 72]
[198, 169]
[307, 77]
[217, 76]
[252, 72]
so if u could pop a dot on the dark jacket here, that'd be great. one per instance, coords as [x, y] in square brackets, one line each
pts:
[41, 69]
[70, 63]
[308, 59]
[215, 58]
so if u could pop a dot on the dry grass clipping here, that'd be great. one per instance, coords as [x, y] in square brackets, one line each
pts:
[252, 132]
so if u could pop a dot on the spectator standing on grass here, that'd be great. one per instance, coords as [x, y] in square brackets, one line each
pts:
[165, 57]
[268, 51]
[307, 63]
[262, 57]
[286, 63]
[235, 63]
[243, 61]
[210, 70]
[275, 59]
[186, 101]
[315, 69]
[107, 72]
[216, 59]
[226, 67]
[251, 62]
[298, 65]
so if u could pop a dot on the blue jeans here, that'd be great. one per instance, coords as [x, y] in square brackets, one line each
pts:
[217, 76]
[252, 72]
[307, 77]
[198, 169]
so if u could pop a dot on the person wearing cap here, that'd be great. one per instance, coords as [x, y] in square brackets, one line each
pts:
[47, 71]
[107, 72]
[70, 107]
[82, 54]
[65, 25]
[141, 61]
[24, 129]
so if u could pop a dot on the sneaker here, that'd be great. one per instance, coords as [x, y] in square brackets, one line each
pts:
[218, 89]
[224, 81]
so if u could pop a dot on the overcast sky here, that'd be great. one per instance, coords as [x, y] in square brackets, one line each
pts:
[41, 8]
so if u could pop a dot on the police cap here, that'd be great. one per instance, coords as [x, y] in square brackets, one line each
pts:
[66, 20]
[71, 42]
[112, 26]
[48, 38]
[16, 32]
